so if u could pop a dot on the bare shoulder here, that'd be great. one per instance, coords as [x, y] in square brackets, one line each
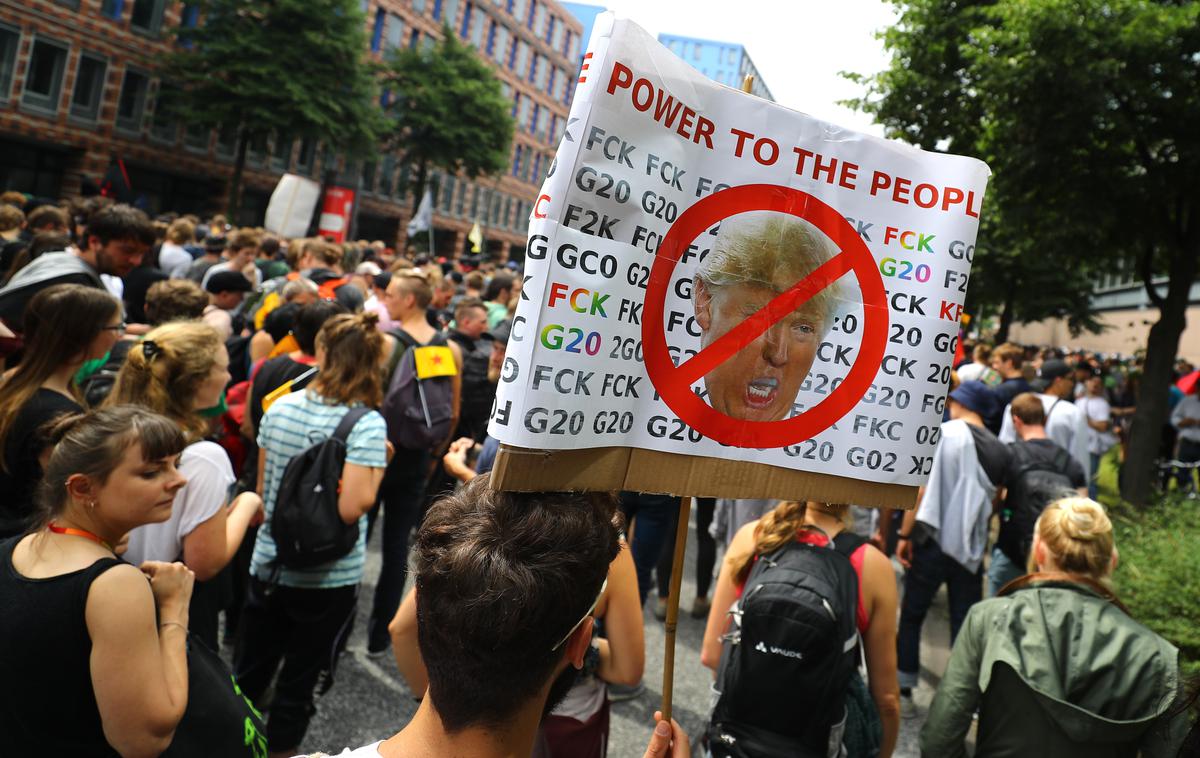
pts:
[744, 539]
[118, 592]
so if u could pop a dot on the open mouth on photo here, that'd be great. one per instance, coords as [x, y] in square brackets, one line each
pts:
[761, 392]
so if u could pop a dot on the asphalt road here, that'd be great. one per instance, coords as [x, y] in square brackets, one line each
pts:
[369, 701]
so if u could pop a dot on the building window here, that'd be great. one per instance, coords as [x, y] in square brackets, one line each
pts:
[377, 31]
[43, 81]
[395, 32]
[72, 4]
[281, 152]
[419, 6]
[112, 8]
[147, 16]
[437, 10]
[132, 104]
[226, 141]
[516, 166]
[465, 29]
[256, 150]
[491, 43]
[387, 176]
[89, 87]
[447, 194]
[368, 177]
[307, 155]
[164, 125]
[451, 12]
[10, 40]
[460, 198]
[196, 137]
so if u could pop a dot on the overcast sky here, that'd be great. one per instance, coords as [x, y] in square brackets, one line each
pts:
[799, 46]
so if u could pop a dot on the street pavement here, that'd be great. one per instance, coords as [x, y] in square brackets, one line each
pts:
[369, 700]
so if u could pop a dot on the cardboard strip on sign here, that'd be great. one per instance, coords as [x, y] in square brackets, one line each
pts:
[622, 468]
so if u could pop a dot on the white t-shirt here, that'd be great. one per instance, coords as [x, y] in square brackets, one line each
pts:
[209, 475]
[1097, 409]
[1188, 407]
[1065, 424]
[174, 261]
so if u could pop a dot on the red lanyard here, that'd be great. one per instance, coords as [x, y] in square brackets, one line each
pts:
[78, 533]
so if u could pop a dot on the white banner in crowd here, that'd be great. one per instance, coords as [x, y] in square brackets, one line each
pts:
[711, 274]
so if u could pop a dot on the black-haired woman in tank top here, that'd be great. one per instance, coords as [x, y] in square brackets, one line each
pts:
[88, 666]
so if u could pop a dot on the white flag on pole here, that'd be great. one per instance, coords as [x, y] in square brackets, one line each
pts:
[424, 218]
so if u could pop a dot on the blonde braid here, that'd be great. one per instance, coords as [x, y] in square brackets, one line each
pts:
[775, 530]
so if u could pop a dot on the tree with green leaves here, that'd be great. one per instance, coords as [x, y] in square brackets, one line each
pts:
[1088, 112]
[447, 111]
[296, 68]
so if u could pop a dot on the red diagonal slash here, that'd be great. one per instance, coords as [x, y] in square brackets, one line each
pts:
[746, 332]
[674, 384]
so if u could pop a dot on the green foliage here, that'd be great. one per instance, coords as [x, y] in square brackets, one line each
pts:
[1087, 111]
[297, 67]
[447, 112]
[1158, 576]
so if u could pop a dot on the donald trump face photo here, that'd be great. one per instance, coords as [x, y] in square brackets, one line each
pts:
[756, 257]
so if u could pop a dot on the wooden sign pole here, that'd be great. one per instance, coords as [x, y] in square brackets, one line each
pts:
[681, 533]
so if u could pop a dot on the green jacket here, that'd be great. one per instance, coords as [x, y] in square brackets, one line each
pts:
[1056, 670]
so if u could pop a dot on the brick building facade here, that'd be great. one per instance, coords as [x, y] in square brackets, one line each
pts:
[78, 91]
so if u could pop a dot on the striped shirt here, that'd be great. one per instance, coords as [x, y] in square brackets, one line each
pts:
[294, 423]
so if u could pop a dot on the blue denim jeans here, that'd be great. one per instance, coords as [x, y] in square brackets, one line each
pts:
[1001, 571]
[653, 517]
[930, 569]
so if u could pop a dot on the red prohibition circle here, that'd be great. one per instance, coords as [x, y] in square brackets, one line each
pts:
[674, 383]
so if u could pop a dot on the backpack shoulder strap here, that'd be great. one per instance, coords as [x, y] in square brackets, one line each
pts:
[404, 338]
[1051, 411]
[847, 542]
[346, 425]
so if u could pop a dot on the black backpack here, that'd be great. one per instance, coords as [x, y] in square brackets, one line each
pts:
[1036, 483]
[305, 524]
[418, 411]
[789, 656]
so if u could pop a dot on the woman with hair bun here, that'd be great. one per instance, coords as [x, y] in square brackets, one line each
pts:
[94, 659]
[295, 621]
[178, 370]
[1055, 664]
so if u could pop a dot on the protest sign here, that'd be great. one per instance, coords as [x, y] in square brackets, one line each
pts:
[725, 297]
[291, 207]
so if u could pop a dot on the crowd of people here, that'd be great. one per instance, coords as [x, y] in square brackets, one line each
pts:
[201, 428]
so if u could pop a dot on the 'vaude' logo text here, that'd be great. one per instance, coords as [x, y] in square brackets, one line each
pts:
[762, 648]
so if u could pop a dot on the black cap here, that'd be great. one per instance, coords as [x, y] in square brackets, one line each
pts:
[1053, 369]
[499, 333]
[228, 281]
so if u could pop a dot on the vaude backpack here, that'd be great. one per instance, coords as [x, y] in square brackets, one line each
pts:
[789, 656]
[417, 410]
[305, 524]
[1036, 484]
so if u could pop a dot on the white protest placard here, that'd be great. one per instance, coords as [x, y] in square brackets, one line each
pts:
[291, 206]
[711, 274]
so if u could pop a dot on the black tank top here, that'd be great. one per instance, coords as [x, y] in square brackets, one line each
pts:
[47, 705]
